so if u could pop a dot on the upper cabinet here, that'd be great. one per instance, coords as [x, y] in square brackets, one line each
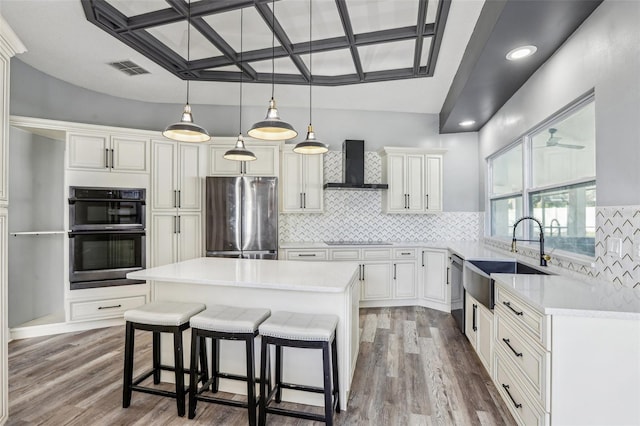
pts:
[175, 180]
[301, 183]
[267, 161]
[107, 152]
[414, 177]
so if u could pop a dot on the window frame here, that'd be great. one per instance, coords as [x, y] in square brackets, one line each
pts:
[527, 169]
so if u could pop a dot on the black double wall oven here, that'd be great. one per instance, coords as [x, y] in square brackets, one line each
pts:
[107, 236]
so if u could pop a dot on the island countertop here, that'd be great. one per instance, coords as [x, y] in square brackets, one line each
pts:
[324, 277]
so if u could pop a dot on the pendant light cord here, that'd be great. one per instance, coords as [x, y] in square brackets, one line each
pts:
[241, 70]
[273, 44]
[188, 46]
[310, 57]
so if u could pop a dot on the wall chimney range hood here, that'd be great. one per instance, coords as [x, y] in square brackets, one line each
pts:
[353, 168]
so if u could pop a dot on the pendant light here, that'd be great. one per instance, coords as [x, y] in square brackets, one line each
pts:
[272, 128]
[310, 145]
[240, 152]
[186, 130]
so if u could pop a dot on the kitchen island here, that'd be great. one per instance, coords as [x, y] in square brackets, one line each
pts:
[310, 287]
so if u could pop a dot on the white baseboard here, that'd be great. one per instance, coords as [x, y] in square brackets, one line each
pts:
[62, 327]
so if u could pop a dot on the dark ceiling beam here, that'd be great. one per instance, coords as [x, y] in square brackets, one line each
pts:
[422, 18]
[436, 41]
[351, 40]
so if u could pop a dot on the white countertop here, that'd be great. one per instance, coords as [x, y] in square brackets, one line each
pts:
[323, 277]
[560, 295]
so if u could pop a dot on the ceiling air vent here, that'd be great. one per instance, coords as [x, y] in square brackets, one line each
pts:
[129, 67]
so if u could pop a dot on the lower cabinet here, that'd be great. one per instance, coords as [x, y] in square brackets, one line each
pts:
[176, 237]
[376, 283]
[435, 279]
[104, 308]
[479, 330]
[404, 280]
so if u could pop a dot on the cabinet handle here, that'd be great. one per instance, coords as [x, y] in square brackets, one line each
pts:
[508, 305]
[304, 200]
[112, 162]
[110, 307]
[175, 198]
[475, 314]
[301, 200]
[394, 270]
[178, 222]
[405, 253]
[106, 158]
[448, 275]
[362, 272]
[175, 226]
[427, 201]
[506, 342]
[179, 198]
[307, 255]
[506, 388]
[408, 201]
[423, 258]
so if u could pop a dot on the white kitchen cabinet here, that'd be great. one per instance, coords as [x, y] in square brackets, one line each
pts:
[414, 177]
[176, 237]
[479, 330]
[435, 279]
[176, 181]
[107, 152]
[404, 279]
[376, 280]
[301, 183]
[267, 162]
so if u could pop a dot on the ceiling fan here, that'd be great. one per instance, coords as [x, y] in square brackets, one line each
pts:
[555, 141]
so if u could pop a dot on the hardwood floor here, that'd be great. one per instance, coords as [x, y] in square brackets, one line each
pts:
[414, 368]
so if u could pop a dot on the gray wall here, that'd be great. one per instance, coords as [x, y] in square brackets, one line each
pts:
[35, 94]
[603, 55]
[36, 188]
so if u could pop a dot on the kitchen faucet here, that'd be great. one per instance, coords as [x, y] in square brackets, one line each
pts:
[557, 222]
[543, 257]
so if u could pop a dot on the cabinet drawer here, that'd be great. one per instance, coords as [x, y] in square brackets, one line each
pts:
[530, 359]
[524, 410]
[376, 254]
[307, 255]
[345, 254]
[104, 308]
[409, 253]
[524, 316]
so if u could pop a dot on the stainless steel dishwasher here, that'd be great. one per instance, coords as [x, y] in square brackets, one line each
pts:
[457, 291]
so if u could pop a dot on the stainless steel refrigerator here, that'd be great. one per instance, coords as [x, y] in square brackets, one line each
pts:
[242, 217]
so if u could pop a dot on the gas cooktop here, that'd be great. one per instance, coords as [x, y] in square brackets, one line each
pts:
[358, 243]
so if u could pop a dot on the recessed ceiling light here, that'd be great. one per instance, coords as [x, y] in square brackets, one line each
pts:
[467, 123]
[521, 52]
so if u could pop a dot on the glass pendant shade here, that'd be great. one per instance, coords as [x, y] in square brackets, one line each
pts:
[272, 128]
[186, 130]
[239, 152]
[311, 145]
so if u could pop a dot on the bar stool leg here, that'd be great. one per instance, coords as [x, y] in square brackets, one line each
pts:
[328, 402]
[251, 382]
[179, 370]
[336, 380]
[193, 363]
[264, 347]
[204, 369]
[278, 373]
[156, 357]
[128, 364]
[215, 364]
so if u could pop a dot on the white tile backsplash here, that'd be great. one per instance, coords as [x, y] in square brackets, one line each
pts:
[357, 214]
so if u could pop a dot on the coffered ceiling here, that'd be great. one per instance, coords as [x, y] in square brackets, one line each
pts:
[417, 56]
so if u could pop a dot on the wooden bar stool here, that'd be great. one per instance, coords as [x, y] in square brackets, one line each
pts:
[220, 322]
[297, 330]
[158, 317]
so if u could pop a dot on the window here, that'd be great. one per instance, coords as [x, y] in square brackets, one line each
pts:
[550, 174]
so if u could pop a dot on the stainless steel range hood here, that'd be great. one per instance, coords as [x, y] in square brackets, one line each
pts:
[353, 168]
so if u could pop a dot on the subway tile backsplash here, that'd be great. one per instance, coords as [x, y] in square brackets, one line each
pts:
[357, 214]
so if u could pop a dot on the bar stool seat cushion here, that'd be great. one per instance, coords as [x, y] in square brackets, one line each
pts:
[164, 313]
[230, 319]
[299, 326]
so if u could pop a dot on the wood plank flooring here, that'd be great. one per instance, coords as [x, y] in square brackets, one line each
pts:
[414, 368]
